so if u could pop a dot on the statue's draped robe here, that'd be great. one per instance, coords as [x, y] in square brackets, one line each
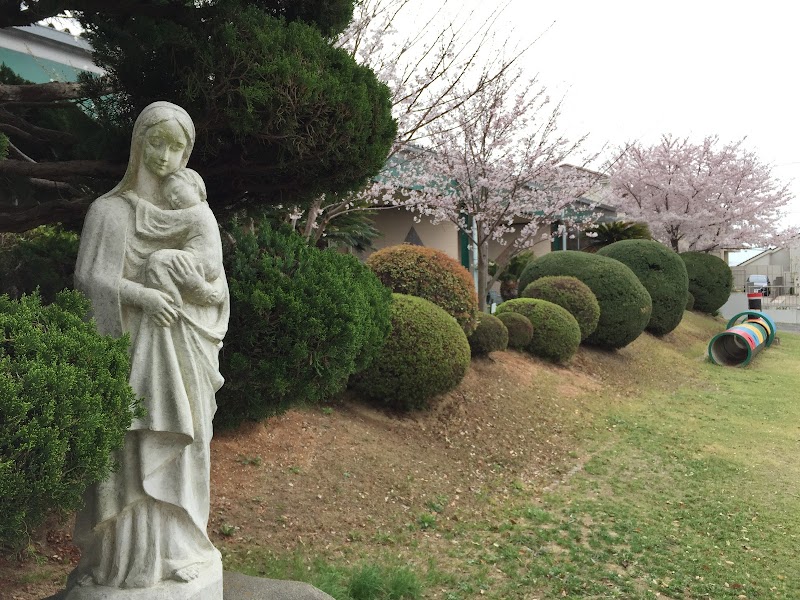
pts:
[148, 519]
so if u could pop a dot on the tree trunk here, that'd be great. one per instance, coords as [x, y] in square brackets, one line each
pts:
[56, 91]
[483, 274]
[311, 219]
[674, 243]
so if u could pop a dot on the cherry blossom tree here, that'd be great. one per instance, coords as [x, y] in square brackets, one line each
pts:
[494, 167]
[700, 196]
[432, 68]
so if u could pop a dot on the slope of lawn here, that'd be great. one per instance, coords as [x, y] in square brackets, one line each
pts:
[641, 473]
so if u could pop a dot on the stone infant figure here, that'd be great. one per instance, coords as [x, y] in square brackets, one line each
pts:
[185, 193]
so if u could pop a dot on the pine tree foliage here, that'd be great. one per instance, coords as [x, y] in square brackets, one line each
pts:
[281, 115]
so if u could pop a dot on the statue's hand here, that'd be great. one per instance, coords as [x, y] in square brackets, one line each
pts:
[158, 306]
[187, 274]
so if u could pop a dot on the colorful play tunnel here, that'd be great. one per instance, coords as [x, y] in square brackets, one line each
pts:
[748, 333]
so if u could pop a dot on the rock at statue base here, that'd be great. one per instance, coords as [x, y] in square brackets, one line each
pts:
[235, 585]
[244, 587]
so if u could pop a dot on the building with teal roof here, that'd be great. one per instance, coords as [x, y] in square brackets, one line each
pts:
[42, 54]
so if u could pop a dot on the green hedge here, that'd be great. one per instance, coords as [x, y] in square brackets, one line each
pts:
[569, 293]
[426, 354]
[65, 405]
[689, 301]
[556, 334]
[662, 273]
[303, 320]
[520, 329]
[431, 274]
[491, 335]
[710, 280]
[625, 305]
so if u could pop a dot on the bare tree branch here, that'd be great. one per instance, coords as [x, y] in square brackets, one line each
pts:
[61, 169]
[40, 92]
[19, 153]
[68, 212]
[51, 135]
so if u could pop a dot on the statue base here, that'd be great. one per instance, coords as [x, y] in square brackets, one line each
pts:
[207, 586]
[237, 587]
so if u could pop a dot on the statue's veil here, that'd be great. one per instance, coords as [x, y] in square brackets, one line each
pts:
[154, 113]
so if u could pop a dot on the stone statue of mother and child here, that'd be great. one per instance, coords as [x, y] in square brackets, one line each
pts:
[150, 261]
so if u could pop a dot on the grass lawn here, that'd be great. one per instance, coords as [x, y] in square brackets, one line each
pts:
[689, 492]
[682, 483]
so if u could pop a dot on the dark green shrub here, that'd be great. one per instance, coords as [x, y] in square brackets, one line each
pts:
[520, 330]
[625, 305]
[42, 258]
[569, 293]
[431, 274]
[689, 301]
[426, 354]
[556, 334]
[710, 280]
[605, 234]
[302, 321]
[490, 335]
[280, 111]
[509, 276]
[662, 273]
[65, 405]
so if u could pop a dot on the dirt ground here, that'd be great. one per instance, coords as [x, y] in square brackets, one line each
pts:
[318, 479]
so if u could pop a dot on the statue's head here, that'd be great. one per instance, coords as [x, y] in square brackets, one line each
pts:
[161, 143]
[163, 138]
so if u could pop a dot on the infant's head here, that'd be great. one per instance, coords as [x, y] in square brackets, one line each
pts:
[184, 188]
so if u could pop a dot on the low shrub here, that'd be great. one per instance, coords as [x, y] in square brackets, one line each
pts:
[569, 293]
[303, 320]
[520, 330]
[490, 335]
[689, 301]
[625, 305]
[65, 405]
[662, 273]
[556, 334]
[426, 354]
[710, 280]
[430, 274]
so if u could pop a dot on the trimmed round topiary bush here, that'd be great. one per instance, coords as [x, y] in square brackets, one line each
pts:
[490, 335]
[556, 334]
[569, 293]
[430, 274]
[710, 280]
[663, 274]
[520, 330]
[689, 301]
[625, 305]
[426, 354]
[65, 405]
[303, 320]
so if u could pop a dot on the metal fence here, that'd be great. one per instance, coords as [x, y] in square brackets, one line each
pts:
[777, 297]
[781, 282]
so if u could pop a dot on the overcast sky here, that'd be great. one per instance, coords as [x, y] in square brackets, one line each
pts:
[633, 70]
